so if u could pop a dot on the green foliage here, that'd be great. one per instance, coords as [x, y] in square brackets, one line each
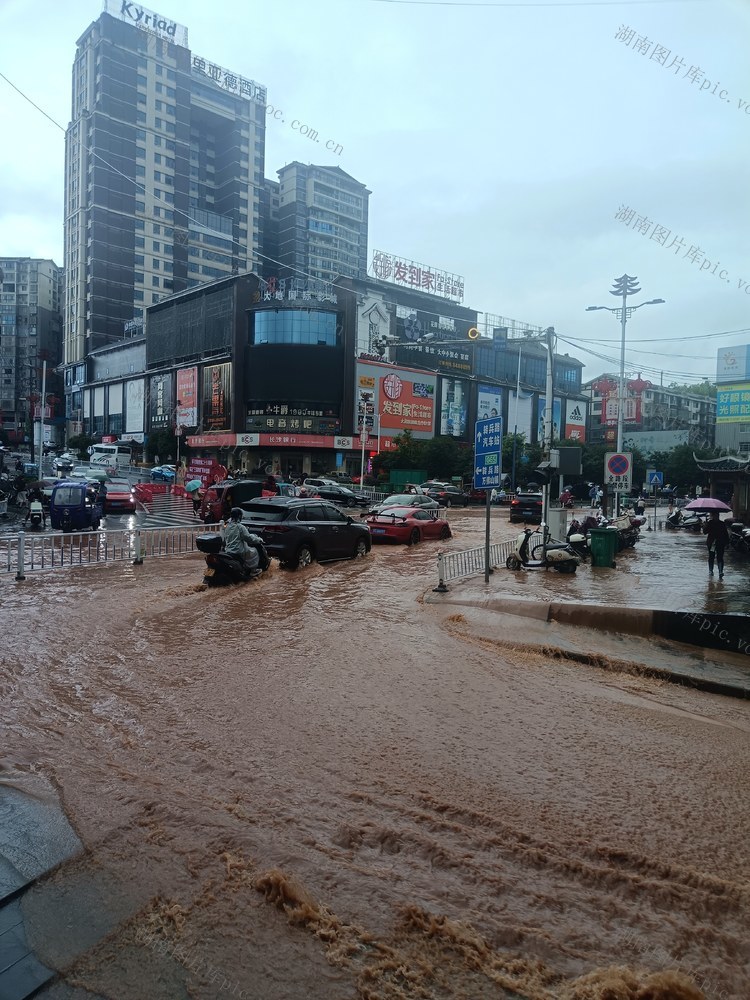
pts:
[79, 444]
[162, 443]
[679, 468]
[707, 389]
[443, 457]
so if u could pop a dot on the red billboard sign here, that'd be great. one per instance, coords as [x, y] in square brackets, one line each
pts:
[407, 405]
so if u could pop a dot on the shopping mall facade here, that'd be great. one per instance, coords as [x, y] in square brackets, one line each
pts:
[284, 374]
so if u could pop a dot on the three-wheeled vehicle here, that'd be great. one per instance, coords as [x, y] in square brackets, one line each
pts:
[76, 505]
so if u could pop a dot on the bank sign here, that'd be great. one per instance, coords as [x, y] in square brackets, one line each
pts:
[147, 20]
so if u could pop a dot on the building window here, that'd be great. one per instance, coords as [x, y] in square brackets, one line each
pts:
[294, 326]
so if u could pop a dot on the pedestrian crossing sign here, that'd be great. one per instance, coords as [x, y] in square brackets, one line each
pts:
[655, 478]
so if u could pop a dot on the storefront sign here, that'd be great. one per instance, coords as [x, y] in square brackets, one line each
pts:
[446, 359]
[406, 273]
[160, 401]
[227, 80]
[187, 394]
[212, 440]
[733, 364]
[295, 290]
[217, 384]
[733, 404]
[285, 410]
[147, 20]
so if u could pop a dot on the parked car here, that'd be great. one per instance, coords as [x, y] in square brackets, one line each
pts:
[405, 500]
[476, 496]
[163, 474]
[297, 531]
[342, 495]
[408, 525]
[342, 478]
[526, 507]
[447, 496]
[312, 485]
[119, 497]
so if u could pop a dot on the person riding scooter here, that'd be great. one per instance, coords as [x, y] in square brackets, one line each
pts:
[240, 542]
[36, 507]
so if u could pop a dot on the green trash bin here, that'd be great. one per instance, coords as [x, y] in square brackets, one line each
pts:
[603, 547]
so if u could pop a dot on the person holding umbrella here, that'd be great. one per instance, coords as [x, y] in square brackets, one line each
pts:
[716, 531]
[717, 539]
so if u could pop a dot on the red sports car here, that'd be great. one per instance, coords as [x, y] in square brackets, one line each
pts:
[407, 524]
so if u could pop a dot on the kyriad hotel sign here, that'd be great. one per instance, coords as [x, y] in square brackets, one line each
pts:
[147, 20]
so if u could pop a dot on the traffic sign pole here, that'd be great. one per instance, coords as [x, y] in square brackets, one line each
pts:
[488, 444]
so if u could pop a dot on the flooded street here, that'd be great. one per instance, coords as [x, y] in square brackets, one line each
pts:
[317, 786]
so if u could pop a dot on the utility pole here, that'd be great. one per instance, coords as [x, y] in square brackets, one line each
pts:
[623, 286]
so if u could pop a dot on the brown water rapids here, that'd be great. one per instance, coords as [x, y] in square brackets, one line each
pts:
[316, 786]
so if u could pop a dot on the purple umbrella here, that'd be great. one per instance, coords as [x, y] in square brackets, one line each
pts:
[706, 504]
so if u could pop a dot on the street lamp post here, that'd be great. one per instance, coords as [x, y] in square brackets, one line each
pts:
[623, 286]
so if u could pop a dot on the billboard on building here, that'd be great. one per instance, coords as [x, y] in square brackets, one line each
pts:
[733, 403]
[733, 364]
[402, 399]
[147, 20]
[650, 442]
[217, 396]
[575, 420]
[556, 413]
[160, 402]
[408, 274]
[187, 397]
[454, 407]
[134, 408]
[489, 402]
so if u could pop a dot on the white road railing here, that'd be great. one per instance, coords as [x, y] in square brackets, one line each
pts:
[470, 562]
[24, 552]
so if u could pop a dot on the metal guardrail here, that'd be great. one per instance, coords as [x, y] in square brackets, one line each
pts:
[23, 553]
[470, 562]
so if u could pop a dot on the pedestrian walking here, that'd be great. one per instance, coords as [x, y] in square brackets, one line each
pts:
[717, 539]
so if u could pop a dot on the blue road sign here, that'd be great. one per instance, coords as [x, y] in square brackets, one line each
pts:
[655, 478]
[488, 447]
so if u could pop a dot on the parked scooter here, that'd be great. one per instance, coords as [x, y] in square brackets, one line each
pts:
[222, 568]
[739, 537]
[564, 560]
[688, 522]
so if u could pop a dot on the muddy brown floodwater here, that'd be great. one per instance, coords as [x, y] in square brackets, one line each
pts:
[317, 786]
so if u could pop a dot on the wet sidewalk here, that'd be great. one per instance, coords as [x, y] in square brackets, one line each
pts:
[666, 570]
[657, 610]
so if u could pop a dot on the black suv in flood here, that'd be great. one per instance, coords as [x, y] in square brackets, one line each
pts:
[297, 531]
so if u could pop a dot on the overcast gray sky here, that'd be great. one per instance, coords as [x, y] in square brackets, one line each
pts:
[499, 142]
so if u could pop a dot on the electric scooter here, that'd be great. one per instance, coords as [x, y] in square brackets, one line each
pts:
[562, 559]
[223, 568]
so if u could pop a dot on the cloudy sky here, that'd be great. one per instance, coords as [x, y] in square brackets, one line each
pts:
[499, 142]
